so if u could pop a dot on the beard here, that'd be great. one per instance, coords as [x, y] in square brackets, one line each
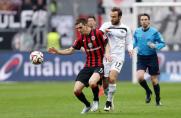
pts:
[115, 22]
[145, 26]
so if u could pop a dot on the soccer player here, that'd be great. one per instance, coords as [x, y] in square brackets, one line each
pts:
[91, 21]
[148, 40]
[94, 44]
[119, 36]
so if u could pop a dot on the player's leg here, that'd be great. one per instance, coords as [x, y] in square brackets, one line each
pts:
[111, 90]
[95, 78]
[141, 68]
[105, 84]
[154, 72]
[105, 80]
[156, 87]
[82, 81]
[113, 75]
[78, 87]
[143, 83]
[93, 83]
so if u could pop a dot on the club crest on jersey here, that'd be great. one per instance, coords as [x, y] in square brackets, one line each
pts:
[93, 38]
[90, 45]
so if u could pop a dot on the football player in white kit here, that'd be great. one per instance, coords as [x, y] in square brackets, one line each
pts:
[119, 38]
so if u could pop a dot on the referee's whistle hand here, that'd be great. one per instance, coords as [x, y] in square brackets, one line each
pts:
[151, 45]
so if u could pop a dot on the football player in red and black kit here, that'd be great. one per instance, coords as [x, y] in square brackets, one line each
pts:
[94, 43]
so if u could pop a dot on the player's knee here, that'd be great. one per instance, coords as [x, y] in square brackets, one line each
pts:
[77, 92]
[154, 83]
[112, 80]
[140, 77]
[154, 80]
[92, 84]
[113, 77]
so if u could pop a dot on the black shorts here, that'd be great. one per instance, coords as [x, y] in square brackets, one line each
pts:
[85, 74]
[148, 62]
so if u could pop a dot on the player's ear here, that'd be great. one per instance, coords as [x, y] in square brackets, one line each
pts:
[119, 17]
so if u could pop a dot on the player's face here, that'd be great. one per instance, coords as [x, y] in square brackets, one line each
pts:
[115, 19]
[91, 23]
[81, 28]
[145, 22]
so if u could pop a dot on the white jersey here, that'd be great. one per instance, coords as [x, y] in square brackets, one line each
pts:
[118, 38]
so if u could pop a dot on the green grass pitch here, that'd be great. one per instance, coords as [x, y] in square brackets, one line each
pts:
[56, 100]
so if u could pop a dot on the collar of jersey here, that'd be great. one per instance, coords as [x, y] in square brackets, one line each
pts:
[144, 30]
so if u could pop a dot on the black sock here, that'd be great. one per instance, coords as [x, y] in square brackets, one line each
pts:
[83, 99]
[157, 90]
[95, 92]
[145, 86]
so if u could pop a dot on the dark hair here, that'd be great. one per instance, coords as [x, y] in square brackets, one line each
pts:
[54, 29]
[81, 20]
[144, 14]
[93, 17]
[118, 10]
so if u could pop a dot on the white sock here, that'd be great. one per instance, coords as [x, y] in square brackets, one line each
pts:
[112, 89]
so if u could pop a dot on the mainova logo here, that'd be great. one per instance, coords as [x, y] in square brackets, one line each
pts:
[55, 68]
[11, 66]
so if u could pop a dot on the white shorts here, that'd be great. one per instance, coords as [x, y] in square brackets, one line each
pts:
[115, 64]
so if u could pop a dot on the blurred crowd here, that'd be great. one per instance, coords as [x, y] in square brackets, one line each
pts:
[17, 5]
[51, 23]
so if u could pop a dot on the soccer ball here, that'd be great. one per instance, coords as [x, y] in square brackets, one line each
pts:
[36, 57]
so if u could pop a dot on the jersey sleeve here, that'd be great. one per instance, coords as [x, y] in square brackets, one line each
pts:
[77, 43]
[103, 27]
[103, 37]
[135, 40]
[160, 43]
[129, 41]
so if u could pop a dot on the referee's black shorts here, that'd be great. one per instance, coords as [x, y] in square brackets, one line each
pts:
[149, 62]
[85, 74]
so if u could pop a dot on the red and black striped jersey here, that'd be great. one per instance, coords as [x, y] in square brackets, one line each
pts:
[94, 44]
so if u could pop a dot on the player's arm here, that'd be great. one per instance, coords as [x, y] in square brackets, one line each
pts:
[103, 28]
[107, 53]
[105, 40]
[67, 51]
[160, 41]
[129, 42]
[76, 46]
[135, 40]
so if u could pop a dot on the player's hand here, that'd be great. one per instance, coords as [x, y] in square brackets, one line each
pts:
[107, 30]
[52, 50]
[82, 49]
[131, 52]
[108, 58]
[151, 45]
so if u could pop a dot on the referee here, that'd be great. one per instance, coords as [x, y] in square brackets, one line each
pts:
[148, 40]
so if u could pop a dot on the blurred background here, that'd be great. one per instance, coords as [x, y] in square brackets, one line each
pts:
[28, 25]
